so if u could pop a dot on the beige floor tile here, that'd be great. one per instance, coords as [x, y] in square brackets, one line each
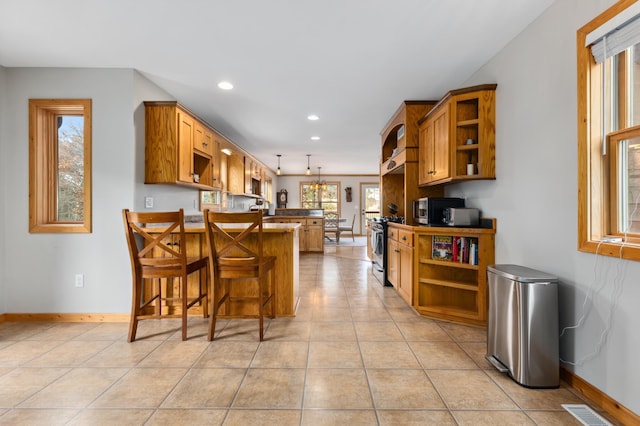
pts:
[76, 389]
[415, 417]
[19, 353]
[491, 418]
[554, 418]
[141, 388]
[228, 354]
[106, 331]
[175, 354]
[330, 314]
[72, 353]
[370, 314]
[434, 355]
[469, 390]
[14, 331]
[186, 418]
[111, 417]
[197, 330]
[161, 329]
[338, 417]
[388, 355]
[334, 355]
[478, 352]
[64, 331]
[279, 388]
[246, 329]
[331, 301]
[21, 383]
[464, 333]
[337, 389]
[281, 355]
[405, 314]
[289, 329]
[263, 417]
[423, 331]
[377, 331]
[366, 302]
[534, 399]
[400, 388]
[123, 354]
[333, 331]
[206, 388]
[36, 417]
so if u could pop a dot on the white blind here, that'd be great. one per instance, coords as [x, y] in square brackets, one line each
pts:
[616, 35]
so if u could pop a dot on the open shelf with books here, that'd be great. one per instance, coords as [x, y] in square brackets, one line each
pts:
[451, 271]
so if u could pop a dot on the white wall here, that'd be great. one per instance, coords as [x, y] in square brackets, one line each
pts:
[4, 179]
[347, 210]
[534, 197]
[39, 268]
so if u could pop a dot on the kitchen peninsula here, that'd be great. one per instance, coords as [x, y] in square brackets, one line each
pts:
[279, 239]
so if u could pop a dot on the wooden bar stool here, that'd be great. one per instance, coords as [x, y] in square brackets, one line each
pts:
[157, 256]
[238, 257]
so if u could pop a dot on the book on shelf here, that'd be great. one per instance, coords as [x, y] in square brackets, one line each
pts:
[442, 248]
[455, 249]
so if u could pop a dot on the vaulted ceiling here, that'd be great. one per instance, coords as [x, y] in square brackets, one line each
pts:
[351, 62]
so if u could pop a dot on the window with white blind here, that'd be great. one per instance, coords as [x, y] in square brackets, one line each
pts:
[609, 132]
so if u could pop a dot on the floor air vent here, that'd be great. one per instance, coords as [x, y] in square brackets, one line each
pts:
[585, 414]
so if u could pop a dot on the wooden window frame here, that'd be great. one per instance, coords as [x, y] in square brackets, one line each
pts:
[43, 165]
[309, 183]
[594, 185]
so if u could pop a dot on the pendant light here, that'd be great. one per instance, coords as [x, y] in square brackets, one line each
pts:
[278, 171]
[308, 168]
[319, 183]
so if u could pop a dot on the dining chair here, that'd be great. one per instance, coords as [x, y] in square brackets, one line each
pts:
[349, 228]
[237, 263]
[158, 252]
[331, 226]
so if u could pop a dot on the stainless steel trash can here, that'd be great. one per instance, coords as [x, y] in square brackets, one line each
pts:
[522, 327]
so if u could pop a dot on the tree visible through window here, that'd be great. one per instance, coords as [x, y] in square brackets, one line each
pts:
[325, 196]
[60, 165]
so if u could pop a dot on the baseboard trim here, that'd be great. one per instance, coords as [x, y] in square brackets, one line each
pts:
[599, 398]
[65, 317]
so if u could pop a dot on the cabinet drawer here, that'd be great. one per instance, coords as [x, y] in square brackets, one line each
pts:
[392, 234]
[314, 222]
[405, 237]
[302, 222]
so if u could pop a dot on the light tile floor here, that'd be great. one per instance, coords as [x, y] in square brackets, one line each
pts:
[355, 354]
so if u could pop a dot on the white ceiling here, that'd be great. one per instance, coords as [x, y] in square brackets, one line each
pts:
[349, 61]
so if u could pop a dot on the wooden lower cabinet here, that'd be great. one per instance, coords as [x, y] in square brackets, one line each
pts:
[400, 261]
[446, 284]
[282, 243]
[311, 231]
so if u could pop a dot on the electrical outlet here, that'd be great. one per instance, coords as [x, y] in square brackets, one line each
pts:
[79, 280]
[148, 202]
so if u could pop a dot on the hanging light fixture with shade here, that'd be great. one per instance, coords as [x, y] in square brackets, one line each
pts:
[278, 171]
[308, 168]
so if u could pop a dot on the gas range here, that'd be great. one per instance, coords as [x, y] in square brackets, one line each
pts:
[389, 219]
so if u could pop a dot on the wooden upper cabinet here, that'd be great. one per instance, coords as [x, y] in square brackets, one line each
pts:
[185, 147]
[174, 147]
[457, 137]
[203, 139]
[434, 152]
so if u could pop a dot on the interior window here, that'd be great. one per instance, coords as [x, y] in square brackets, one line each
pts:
[60, 165]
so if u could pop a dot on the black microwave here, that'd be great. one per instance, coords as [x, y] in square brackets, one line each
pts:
[430, 211]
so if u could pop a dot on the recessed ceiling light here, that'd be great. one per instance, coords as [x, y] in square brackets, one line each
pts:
[313, 117]
[225, 85]
[315, 138]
